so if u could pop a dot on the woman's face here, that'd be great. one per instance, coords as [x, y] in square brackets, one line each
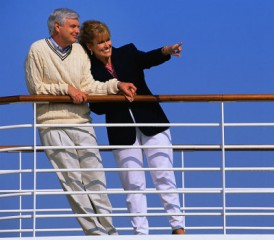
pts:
[102, 47]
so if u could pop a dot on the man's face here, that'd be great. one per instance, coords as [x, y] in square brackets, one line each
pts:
[67, 32]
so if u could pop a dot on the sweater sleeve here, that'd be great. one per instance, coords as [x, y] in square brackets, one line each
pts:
[34, 72]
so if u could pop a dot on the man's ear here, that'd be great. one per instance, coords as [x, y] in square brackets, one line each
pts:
[56, 26]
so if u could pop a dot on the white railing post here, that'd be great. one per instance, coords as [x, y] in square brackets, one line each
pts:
[183, 185]
[223, 167]
[20, 197]
[34, 167]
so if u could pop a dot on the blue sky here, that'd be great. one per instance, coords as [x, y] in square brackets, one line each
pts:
[227, 44]
[227, 49]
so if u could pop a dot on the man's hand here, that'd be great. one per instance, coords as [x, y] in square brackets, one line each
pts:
[128, 90]
[76, 95]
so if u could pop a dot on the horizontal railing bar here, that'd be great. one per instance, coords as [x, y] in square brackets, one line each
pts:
[249, 214]
[15, 217]
[112, 125]
[249, 169]
[108, 170]
[250, 228]
[157, 214]
[209, 147]
[247, 124]
[40, 230]
[80, 229]
[16, 148]
[3, 172]
[12, 194]
[141, 98]
[132, 125]
[118, 229]
[25, 230]
[72, 215]
[185, 190]
[16, 126]
[119, 215]
[232, 228]
[187, 209]
[152, 191]
[186, 169]
[182, 147]
[36, 210]
[16, 230]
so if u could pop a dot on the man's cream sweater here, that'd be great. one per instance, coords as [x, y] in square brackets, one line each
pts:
[48, 72]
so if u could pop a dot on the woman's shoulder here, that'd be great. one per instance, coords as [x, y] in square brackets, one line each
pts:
[128, 46]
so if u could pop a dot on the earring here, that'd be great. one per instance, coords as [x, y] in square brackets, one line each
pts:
[90, 52]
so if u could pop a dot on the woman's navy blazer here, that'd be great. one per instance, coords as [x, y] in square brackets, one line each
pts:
[129, 64]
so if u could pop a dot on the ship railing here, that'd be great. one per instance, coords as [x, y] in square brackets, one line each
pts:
[217, 211]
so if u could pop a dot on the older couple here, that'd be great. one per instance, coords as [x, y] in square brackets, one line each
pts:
[57, 65]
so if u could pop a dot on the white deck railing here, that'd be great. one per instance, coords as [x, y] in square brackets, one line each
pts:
[224, 170]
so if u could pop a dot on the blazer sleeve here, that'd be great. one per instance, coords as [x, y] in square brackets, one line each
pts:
[149, 59]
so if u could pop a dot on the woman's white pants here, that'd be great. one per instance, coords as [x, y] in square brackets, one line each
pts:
[163, 180]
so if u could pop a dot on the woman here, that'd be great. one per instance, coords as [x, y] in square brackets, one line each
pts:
[127, 63]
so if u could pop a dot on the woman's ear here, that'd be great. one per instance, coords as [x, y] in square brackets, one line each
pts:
[89, 46]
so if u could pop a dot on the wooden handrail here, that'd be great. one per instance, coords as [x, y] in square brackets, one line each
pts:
[142, 98]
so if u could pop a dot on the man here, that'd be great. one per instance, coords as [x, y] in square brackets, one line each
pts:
[59, 66]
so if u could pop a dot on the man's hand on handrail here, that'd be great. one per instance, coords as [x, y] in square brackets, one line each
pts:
[127, 89]
[76, 95]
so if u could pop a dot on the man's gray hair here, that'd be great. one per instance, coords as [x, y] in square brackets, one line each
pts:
[60, 15]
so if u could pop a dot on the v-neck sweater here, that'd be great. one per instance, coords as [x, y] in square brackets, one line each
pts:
[48, 72]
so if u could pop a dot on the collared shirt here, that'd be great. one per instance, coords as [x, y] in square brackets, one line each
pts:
[111, 70]
[60, 49]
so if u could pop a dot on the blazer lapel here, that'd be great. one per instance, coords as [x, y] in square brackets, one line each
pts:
[99, 71]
